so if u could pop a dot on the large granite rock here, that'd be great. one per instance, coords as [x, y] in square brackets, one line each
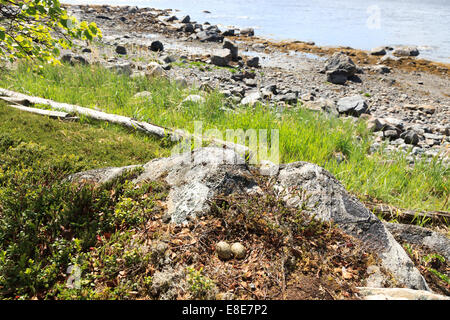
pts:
[230, 45]
[209, 36]
[100, 176]
[406, 52]
[354, 105]
[339, 68]
[221, 57]
[196, 177]
[305, 183]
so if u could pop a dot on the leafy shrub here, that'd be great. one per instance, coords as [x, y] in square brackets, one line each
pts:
[199, 285]
[47, 225]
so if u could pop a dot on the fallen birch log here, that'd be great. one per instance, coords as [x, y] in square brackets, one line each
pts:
[94, 114]
[406, 216]
[42, 112]
[145, 127]
[398, 294]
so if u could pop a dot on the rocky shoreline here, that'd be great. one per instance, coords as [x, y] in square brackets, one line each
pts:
[406, 100]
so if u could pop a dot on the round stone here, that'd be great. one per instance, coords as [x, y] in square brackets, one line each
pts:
[121, 50]
[156, 46]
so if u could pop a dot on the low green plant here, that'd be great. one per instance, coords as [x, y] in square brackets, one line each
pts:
[199, 285]
[48, 225]
[434, 258]
[432, 265]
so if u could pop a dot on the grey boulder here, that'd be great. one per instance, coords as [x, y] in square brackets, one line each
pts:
[253, 62]
[156, 46]
[406, 52]
[99, 176]
[326, 199]
[209, 36]
[221, 57]
[339, 68]
[121, 68]
[121, 50]
[249, 32]
[252, 98]
[230, 45]
[196, 177]
[420, 236]
[74, 59]
[354, 105]
[410, 137]
[380, 51]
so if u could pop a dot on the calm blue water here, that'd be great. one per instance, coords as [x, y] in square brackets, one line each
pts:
[362, 24]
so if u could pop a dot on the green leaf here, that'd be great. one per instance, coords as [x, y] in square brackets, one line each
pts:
[93, 28]
[87, 34]
[38, 38]
[64, 22]
[56, 52]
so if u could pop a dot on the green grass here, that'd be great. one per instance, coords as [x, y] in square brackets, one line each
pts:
[47, 224]
[94, 144]
[304, 135]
